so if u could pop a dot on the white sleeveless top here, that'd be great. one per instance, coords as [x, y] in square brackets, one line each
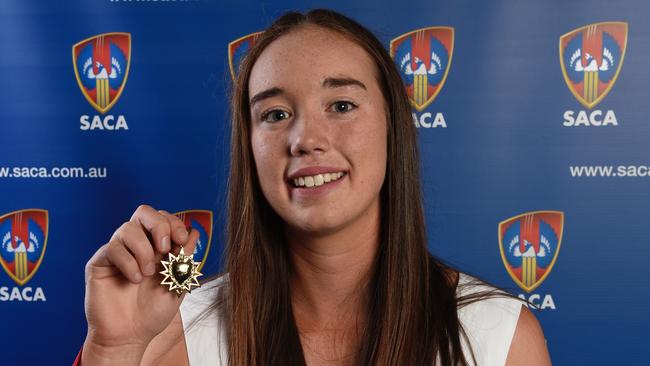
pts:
[489, 324]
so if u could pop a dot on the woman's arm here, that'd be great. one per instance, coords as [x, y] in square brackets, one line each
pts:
[528, 346]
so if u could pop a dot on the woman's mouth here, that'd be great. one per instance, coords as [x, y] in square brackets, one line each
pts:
[317, 180]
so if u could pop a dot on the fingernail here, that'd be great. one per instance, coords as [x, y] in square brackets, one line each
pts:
[182, 234]
[150, 269]
[165, 244]
[137, 277]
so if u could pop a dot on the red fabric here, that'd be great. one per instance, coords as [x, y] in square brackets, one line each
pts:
[77, 361]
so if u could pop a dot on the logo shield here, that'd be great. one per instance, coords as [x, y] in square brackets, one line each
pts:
[238, 49]
[529, 245]
[23, 236]
[101, 65]
[591, 58]
[200, 220]
[423, 58]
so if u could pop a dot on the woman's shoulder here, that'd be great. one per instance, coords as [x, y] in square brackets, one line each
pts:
[204, 322]
[489, 318]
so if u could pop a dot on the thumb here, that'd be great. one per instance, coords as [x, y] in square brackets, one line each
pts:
[192, 239]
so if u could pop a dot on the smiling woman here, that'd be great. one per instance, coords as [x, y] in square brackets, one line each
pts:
[327, 260]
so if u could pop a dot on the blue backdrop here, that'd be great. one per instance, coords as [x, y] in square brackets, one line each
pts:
[533, 133]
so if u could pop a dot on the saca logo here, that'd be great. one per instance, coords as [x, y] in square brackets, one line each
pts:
[101, 66]
[591, 58]
[423, 58]
[23, 239]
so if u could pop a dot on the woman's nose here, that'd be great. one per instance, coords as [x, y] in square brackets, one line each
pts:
[309, 134]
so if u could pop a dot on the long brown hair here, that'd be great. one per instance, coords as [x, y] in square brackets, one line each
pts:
[412, 312]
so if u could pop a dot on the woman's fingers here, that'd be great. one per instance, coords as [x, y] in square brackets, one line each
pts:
[177, 227]
[155, 223]
[132, 249]
[118, 256]
[136, 241]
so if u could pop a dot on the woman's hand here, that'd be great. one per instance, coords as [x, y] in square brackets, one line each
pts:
[126, 307]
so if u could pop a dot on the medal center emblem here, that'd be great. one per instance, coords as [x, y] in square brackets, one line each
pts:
[181, 272]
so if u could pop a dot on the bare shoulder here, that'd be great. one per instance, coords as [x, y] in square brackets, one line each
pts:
[528, 346]
[168, 348]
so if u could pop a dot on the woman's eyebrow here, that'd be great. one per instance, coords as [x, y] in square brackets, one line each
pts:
[268, 93]
[340, 82]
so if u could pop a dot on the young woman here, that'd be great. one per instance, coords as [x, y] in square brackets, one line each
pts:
[327, 260]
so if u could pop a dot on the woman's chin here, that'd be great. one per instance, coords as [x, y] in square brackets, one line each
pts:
[316, 225]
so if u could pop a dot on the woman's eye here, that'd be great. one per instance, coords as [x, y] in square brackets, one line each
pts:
[342, 107]
[275, 115]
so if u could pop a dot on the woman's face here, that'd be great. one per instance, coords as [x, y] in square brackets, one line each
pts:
[319, 130]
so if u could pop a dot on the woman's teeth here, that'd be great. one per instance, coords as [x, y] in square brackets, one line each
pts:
[316, 180]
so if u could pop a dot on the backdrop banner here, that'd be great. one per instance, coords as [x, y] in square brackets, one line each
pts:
[532, 127]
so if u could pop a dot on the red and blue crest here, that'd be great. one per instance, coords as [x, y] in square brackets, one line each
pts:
[529, 245]
[591, 58]
[23, 236]
[200, 220]
[423, 58]
[238, 49]
[101, 65]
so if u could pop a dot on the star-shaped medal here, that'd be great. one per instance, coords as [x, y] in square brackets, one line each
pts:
[181, 272]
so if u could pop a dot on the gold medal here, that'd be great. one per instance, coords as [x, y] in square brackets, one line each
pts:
[181, 272]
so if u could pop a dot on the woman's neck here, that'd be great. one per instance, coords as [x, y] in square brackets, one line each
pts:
[329, 283]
